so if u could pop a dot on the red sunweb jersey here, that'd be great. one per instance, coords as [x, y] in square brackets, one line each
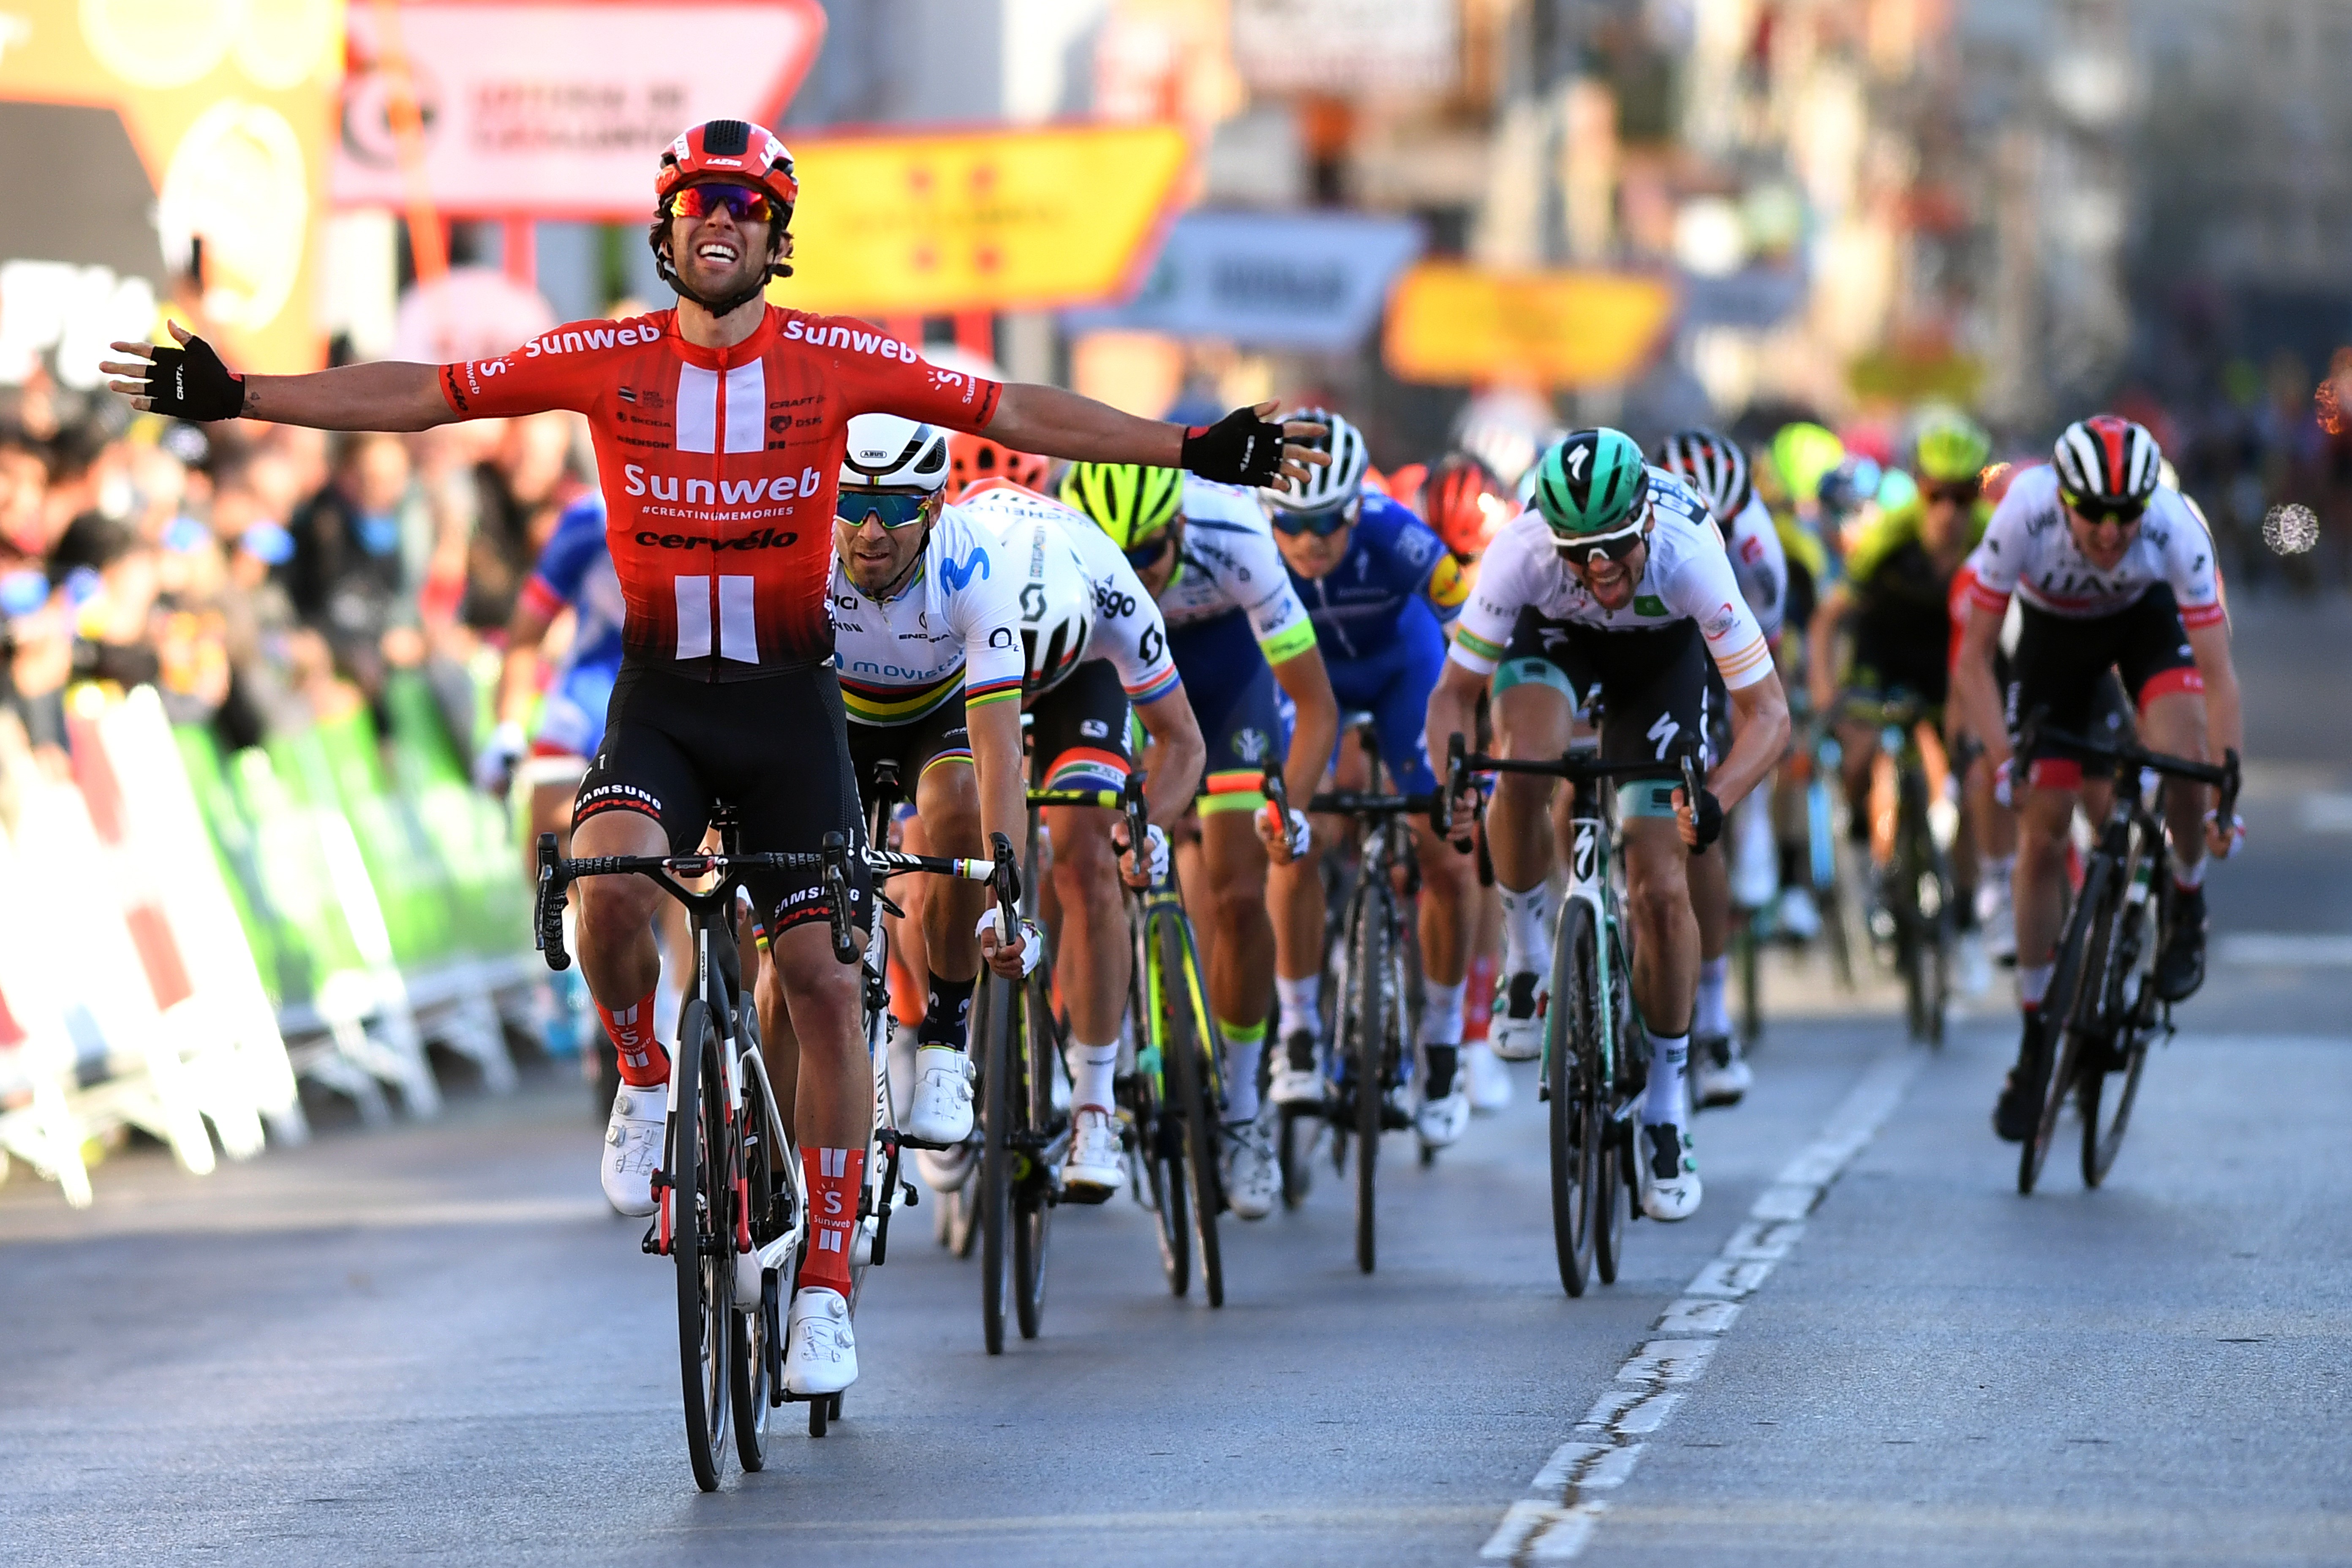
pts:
[718, 466]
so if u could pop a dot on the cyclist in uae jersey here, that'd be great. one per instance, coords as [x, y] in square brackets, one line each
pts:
[2111, 570]
[926, 630]
[1096, 645]
[1240, 637]
[1716, 468]
[1614, 584]
[719, 428]
[1378, 586]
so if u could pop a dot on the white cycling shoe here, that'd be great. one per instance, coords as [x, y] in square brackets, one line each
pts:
[820, 1351]
[1490, 1080]
[1515, 1030]
[1797, 915]
[633, 1148]
[945, 1170]
[1440, 1122]
[1721, 1074]
[1669, 1166]
[941, 1112]
[1296, 1079]
[1252, 1177]
[1097, 1165]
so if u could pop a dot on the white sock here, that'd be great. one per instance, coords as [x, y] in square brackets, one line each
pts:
[2189, 875]
[2032, 983]
[1242, 1058]
[1669, 1055]
[1997, 869]
[1526, 926]
[1302, 1002]
[1440, 1012]
[1713, 1014]
[1092, 1068]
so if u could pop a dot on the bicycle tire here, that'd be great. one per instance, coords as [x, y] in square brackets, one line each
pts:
[1188, 1090]
[1616, 1180]
[1033, 1210]
[1160, 1148]
[2075, 982]
[698, 1235]
[2105, 1117]
[992, 1014]
[751, 1353]
[1829, 899]
[1748, 960]
[1297, 1127]
[1570, 1050]
[1368, 1043]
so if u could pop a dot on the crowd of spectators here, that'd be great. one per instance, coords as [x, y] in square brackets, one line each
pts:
[260, 577]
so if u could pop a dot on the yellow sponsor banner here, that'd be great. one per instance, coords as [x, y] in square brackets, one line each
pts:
[1449, 324]
[228, 105]
[980, 221]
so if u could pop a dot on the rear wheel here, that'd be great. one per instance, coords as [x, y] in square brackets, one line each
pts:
[702, 1242]
[1570, 1048]
[1297, 1129]
[1367, 1036]
[992, 1045]
[752, 1352]
[1188, 1045]
[2072, 1012]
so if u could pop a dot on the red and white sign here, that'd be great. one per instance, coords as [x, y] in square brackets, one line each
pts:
[561, 110]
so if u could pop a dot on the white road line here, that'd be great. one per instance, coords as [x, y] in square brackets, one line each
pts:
[2284, 950]
[2325, 811]
[1553, 1524]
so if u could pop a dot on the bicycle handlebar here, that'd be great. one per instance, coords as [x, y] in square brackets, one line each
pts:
[2224, 776]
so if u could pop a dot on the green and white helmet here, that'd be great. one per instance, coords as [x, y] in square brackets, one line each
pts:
[1590, 482]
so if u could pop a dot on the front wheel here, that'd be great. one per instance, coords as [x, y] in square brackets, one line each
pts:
[1571, 1051]
[751, 1351]
[992, 1045]
[700, 1197]
[1033, 1210]
[1188, 1042]
[2073, 1017]
[1368, 1033]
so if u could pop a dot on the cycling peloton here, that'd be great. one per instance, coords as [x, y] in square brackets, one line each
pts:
[1613, 585]
[1095, 645]
[719, 428]
[1238, 632]
[1716, 468]
[2113, 570]
[1378, 586]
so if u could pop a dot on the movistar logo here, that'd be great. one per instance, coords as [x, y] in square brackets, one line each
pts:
[959, 576]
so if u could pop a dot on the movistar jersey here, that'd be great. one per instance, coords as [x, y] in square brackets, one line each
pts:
[957, 619]
[1126, 627]
[1227, 563]
[1393, 558]
[1687, 577]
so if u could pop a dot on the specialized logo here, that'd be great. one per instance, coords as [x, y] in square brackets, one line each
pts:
[1663, 732]
[1585, 860]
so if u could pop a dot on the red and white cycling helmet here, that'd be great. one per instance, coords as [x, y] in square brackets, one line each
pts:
[2107, 460]
[732, 149]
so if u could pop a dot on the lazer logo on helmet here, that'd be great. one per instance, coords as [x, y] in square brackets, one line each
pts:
[640, 481]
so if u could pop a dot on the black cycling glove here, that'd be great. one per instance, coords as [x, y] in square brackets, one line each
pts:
[1239, 450]
[190, 383]
[1709, 818]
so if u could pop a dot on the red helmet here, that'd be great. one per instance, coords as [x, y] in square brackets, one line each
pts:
[1464, 501]
[731, 149]
[971, 458]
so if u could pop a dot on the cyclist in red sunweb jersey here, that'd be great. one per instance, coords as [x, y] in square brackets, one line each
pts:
[720, 429]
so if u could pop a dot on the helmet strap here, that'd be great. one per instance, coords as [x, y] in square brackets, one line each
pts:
[725, 304]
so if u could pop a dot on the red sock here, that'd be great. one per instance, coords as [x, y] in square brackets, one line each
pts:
[835, 1177]
[1478, 1001]
[644, 1063]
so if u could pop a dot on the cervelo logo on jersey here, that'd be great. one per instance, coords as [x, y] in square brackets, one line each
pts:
[621, 335]
[818, 335]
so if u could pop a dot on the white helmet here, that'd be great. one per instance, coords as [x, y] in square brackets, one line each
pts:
[1335, 484]
[1058, 602]
[885, 452]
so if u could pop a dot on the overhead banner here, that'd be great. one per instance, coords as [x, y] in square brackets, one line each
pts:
[1349, 47]
[1286, 280]
[560, 109]
[168, 133]
[980, 221]
[1451, 324]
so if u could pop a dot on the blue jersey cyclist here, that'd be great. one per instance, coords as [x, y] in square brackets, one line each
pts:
[1242, 641]
[574, 573]
[1380, 586]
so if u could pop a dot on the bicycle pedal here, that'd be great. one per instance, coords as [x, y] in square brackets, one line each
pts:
[652, 1244]
[907, 1193]
[909, 1141]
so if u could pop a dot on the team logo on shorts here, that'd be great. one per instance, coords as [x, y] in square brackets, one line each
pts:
[1253, 745]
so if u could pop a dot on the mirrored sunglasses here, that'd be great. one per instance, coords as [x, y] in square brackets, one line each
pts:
[1321, 523]
[891, 509]
[1616, 546]
[741, 202]
[2122, 513]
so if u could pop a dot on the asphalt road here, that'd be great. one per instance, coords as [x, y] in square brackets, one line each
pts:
[434, 1344]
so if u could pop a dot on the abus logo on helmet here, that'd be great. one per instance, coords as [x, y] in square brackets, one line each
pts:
[638, 482]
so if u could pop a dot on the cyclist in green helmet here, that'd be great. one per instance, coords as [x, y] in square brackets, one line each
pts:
[1242, 639]
[1612, 587]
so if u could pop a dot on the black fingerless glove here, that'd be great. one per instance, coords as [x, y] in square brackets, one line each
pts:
[190, 383]
[1239, 450]
[1708, 818]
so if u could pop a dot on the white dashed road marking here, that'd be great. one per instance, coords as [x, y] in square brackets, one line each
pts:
[1569, 1494]
[2284, 950]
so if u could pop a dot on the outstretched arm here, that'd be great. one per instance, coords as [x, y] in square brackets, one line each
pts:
[1059, 423]
[386, 395]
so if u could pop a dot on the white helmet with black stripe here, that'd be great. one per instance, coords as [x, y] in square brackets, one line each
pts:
[1058, 601]
[2107, 460]
[1335, 484]
[887, 452]
[1713, 465]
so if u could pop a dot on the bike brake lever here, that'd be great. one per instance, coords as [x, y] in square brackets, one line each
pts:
[836, 888]
[549, 937]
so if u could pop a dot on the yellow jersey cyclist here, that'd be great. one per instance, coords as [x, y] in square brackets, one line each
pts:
[2113, 570]
[1241, 642]
[1613, 586]
[1095, 647]
[1896, 595]
[1716, 468]
[927, 645]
